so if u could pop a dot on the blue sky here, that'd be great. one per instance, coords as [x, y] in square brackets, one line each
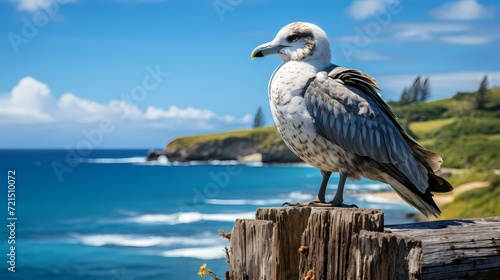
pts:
[137, 73]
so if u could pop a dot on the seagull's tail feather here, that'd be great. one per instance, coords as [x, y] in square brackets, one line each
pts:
[438, 184]
[422, 202]
[432, 163]
[405, 188]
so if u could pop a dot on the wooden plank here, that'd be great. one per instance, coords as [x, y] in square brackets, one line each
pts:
[328, 236]
[468, 248]
[377, 255]
[289, 225]
[251, 250]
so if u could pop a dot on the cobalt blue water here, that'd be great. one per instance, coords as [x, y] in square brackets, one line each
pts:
[112, 215]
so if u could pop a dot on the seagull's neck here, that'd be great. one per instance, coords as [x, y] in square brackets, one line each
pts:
[319, 64]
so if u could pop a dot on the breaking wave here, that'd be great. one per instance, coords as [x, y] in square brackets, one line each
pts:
[188, 217]
[145, 241]
[293, 196]
[115, 160]
[203, 253]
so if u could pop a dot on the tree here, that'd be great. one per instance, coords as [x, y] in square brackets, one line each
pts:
[405, 97]
[415, 90]
[259, 119]
[418, 92]
[482, 95]
[425, 91]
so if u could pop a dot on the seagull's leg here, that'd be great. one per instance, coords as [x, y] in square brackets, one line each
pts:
[339, 196]
[320, 198]
[322, 189]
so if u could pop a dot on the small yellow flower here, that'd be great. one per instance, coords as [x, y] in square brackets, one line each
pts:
[203, 270]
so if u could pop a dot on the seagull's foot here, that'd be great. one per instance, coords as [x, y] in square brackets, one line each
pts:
[318, 203]
[313, 203]
[338, 203]
[347, 205]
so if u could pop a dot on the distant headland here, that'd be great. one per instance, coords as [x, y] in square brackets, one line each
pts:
[262, 144]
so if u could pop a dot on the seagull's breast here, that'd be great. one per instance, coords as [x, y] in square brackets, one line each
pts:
[293, 120]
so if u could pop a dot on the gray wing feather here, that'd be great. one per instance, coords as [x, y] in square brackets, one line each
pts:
[352, 118]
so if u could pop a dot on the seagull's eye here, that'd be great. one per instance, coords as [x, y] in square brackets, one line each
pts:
[292, 38]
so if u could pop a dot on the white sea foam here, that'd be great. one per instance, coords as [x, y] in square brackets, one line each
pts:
[243, 201]
[299, 196]
[380, 200]
[203, 253]
[116, 160]
[371, 187]
[253, 164]
[162, 159]
[223, 162]
[146, 241]
[188, 217]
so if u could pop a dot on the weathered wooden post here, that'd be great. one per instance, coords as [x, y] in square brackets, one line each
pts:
[336, 243]
[252, 250]
[279, 233]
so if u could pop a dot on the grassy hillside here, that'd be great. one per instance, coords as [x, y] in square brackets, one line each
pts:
[264, 136]
[482, 202]
[464, 137]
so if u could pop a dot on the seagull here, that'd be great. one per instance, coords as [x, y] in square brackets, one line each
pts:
[334, 119]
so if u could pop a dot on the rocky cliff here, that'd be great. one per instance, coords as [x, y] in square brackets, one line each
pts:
[257, 145]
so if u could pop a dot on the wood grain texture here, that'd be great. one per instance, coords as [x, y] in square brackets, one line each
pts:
[328, 235]
[289, 225]
[378, 255]
[457, 249]
[251, 250]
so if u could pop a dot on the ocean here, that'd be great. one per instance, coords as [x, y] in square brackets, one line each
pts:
[109, 214]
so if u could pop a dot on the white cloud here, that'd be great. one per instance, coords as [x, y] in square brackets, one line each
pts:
[463, 10]
[248, 118]
[31, 102]
[71, 107]
[35, 5]
[413, 35]
[445, 32]
[443, 84]
[467, 40]
[153, 113]
[421, 31]
[27, 102]
[363, 9]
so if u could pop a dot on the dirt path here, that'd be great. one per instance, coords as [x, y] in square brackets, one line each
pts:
[440, 199]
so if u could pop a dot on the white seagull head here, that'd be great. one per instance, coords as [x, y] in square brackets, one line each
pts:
[298, 41]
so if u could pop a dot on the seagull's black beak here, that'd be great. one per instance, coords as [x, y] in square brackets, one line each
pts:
[265, 50]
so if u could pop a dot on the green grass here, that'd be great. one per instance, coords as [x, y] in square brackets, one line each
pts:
[482, 202]
[467, 177]
[493, 137]
[426, 129]
[473, 151]
[459, 106]
[470, 126]
[464, 137]
[495, 96]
